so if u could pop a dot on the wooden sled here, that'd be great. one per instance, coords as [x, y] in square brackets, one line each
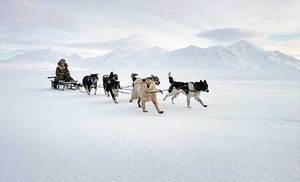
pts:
[62, 85]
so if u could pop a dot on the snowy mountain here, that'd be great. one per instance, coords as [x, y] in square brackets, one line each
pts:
[127, 58]
[241, 55]
[252, 57]
[195, 57]
[75, 59]
[283, 59]
[42, 55]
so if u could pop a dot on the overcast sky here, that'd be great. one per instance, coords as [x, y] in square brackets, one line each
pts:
[93, 27]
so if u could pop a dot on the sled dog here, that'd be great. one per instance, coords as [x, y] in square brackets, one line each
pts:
[145, 90]
[189, 89]
[89, 82]
[111, 85]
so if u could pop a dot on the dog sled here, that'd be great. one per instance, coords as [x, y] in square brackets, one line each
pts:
[62, 85]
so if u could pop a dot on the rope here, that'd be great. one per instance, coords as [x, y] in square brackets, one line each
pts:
[81, 91]
[157, 91]
[161, 91]
[124, 88]
[123, 92]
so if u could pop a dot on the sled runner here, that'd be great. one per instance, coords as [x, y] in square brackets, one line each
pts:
[62, 85]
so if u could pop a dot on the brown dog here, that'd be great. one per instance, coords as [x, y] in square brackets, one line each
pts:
[145, 90]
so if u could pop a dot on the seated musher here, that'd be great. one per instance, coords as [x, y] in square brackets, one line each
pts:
[62, 73]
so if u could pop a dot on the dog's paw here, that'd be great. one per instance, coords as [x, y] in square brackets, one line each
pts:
[160, 112]
[204, 105]
[145, 111]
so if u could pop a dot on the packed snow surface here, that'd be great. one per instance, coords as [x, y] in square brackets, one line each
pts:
[250, 131]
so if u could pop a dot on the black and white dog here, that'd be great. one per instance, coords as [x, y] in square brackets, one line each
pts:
[89, 82]
[189, 89]
[111, 85]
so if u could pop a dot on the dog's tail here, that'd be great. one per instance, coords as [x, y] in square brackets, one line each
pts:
[171, 80]
[104, 77]
[133, 76]
[170, 88]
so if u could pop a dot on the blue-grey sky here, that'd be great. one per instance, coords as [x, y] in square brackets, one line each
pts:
[93, 27]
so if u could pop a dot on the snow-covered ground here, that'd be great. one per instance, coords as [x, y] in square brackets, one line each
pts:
[250, 131]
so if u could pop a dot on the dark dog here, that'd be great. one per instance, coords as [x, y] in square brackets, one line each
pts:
[189, 89]
[89, 82]
[111, 85]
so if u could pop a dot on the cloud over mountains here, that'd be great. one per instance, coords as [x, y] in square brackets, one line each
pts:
[226, 34]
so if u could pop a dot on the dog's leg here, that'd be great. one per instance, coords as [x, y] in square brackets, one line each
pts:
[95, 90]
[113, 96]
[115, 91]
[104, 89]
[144, 106]
[89, 89]
[156, 106]
[201, 102]
[131, 99]
[170, 94]
[86, 89]
[139, 103]
[188, 99]
[176, 95]
[132, 96]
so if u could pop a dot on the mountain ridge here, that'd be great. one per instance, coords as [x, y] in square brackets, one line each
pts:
[239, 55]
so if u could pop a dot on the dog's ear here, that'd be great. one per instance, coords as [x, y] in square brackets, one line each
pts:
[200, 81]
[204, 81]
